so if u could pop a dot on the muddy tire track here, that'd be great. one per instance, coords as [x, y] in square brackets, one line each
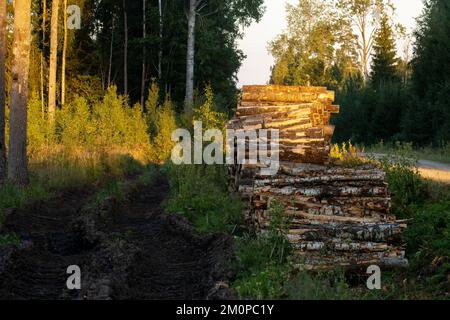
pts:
[126, 250]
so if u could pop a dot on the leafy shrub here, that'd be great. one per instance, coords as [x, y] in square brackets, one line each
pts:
[265, 260]
[347, 154]
[322, 286]
[200, 193]
[428, 237]
[405, 183]
[267, 283]
[207, 114]
[165, 125]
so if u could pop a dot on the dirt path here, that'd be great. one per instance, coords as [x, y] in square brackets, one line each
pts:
[433, 170]
[130, 250]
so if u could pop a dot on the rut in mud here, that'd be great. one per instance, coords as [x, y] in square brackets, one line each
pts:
[126, 250]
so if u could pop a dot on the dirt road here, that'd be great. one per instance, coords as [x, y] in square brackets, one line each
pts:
[433, 170]
[130, 250]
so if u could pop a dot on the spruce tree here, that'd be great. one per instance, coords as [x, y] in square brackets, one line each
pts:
[384, 63]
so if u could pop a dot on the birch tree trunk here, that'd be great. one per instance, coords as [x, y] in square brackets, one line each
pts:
[160, 53]
[125, 50]
[53, 61]
[111, 53]
[64, 53]
[42, 71]
[17, 165]
[144, 35]
[2, 89]
[190, 59]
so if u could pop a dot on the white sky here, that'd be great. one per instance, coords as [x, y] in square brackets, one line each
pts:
[256, 68]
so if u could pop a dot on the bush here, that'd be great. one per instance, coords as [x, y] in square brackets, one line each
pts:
[428, 237]
[347, 155]
[165, 125]
[264, 261]
[322, 286]
[405, 182]
[200, 193]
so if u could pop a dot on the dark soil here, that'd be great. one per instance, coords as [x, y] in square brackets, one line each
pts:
[126, 250]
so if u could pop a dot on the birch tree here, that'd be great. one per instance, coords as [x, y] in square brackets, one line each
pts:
[190, 56]
[363, 13]
[125, 49]
[17, 164]
[144, 36]
[42, 62]
[53, 61]
[64, 54]
[161, 26]
[2, 88]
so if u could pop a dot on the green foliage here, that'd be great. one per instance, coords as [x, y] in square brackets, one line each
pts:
[75, 124]
[384, 63]
[405, 183]
[322, 286]
[428, 237]
[8, 239]
[267, 283]
[200, 193]
[207, 114]
[151, 106]
[370, 114]
[37, 130]
[264, 261]
[347, 155]
[13, 196]
[216, 35]
[324, 56]
[165, 125]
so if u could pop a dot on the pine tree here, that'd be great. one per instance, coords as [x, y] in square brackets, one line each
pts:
[384, 64]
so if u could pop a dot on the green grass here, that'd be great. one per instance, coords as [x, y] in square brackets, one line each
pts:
[200, 193]
[14, 196]
[441, 154]
[64, 171]
[9, 239]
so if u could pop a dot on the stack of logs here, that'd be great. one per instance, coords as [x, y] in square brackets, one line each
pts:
[339, 216]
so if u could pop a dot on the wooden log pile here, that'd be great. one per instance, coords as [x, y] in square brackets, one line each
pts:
[302, 114]
[339, 216]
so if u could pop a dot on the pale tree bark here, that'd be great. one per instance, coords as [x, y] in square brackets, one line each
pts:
[144, 36]
[125, 50]
[2, 89]
[17, 164]
[190, 57]
[42, 71]
[111, 53]
[161, 26]
[64, 54]
[53, 61]
[366, 42]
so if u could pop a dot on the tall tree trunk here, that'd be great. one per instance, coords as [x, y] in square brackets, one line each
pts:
[111, 53]
[190, 62]
[144, 36]
[2, 89]
[125, 50]
[17, 165]
[160, 53]
[53, 61]
[42, 71]
[64, 54]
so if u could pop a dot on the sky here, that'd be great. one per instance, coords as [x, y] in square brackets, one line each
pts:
[256, 67]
